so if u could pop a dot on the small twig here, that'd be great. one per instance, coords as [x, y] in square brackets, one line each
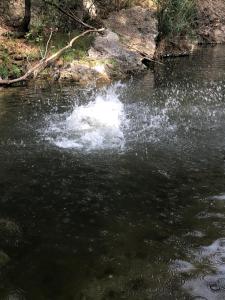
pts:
[47, 45]
[41, 53]
[28, 61]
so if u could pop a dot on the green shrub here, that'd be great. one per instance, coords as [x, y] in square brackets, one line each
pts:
[74, 54]
[4, 57]
[35, 34]
[79, 50]
[15, 71]
[8, 69]
[4, 71]
[176, 17]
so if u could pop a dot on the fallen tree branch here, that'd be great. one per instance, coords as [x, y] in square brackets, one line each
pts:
[68, 14]
[45, 62]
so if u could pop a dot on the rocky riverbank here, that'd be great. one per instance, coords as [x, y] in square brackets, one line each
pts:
[126, 47]
[122, 50]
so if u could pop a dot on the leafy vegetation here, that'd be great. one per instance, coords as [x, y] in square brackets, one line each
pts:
[3, 71]
[176, 17]
[15, 71]
[35, 34]
[55, 22]
[8, 67]
[79, 51]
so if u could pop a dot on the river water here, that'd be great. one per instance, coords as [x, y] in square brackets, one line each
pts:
[118, 192]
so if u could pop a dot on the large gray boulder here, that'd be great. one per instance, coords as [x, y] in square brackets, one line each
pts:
[137, 28]
[120, 59]
[129, 38]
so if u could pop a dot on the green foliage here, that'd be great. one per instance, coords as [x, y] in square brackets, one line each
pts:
[79, 50]
[35, 34]
[4, 71]
[4, 63]
[73, 54]
[8, 69]
[15, 71]
[35, 37]
[176, 17]
[33, 55]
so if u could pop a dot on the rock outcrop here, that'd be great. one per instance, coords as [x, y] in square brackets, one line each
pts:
[211, 21]
[136, 27]
[12, 11]
[127, 41]
[85, 74]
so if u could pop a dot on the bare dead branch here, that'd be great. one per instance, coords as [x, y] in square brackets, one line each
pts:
[47, 45]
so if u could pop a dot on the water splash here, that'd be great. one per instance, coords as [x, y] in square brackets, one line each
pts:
[172, 117]
[182, 266]
[96, 125]
[209, 284]
[218, 197]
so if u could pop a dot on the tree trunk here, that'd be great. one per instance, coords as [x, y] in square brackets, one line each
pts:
[27, 16]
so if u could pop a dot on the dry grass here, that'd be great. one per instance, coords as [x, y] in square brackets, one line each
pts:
[18, 47]
[145, 3]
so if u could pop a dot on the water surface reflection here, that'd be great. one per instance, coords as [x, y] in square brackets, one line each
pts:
[141, 221]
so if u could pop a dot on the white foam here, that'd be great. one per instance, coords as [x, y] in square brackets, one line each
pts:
[218, 197]
[210, 286]
[182, 266]
[103, 112]
[96, 125]
[217, 248]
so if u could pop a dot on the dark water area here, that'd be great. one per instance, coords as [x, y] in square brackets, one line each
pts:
[118, 192]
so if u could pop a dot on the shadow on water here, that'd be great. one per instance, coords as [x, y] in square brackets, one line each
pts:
[139, 213]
